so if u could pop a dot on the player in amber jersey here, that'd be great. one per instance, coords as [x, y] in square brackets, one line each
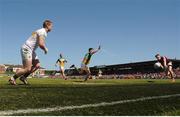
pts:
[61, 61]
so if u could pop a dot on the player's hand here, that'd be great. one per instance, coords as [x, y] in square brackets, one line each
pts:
[99, 47]
[45, 51]
[162, 67]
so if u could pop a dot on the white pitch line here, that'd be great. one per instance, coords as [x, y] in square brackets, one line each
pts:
[58, 108]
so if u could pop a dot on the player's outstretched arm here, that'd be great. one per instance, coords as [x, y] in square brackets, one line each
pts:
[57, 62]
[95, 51]
[41, 42]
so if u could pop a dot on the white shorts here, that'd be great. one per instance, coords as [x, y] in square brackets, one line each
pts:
[28, 54]
[170, 63]
[61, 68]
[84, 67]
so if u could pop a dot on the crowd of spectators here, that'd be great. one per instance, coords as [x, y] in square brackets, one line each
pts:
[150, 75]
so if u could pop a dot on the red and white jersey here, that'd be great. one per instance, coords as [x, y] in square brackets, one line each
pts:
[32, 42]
[162, 60]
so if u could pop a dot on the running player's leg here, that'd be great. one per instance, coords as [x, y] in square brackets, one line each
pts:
[35, 66]
[80, 71]
[27, 63]
[26, 69]
[167, 73]
[88, 73]
[84, 68]
[62, 73]
[171, 73]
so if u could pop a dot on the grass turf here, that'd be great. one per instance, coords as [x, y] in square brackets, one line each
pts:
[44, 93]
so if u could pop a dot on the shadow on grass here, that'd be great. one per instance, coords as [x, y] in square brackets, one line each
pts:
[78, 81]
[150, 81]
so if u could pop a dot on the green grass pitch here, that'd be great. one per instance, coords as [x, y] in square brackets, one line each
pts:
[49, 93]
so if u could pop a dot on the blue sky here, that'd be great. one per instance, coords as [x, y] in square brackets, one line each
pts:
[128, 30]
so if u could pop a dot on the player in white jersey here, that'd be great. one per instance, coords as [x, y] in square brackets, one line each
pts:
[29, 58]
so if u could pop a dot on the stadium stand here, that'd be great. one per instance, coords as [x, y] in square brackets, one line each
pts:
[129, 70]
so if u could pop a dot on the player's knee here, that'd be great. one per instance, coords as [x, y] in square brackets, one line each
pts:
[28, 69]
[89, 72]
[37, 66]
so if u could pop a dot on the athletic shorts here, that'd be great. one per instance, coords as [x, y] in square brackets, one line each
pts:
[84, 67]
[28, 54]
[169, 64]
[61, 68]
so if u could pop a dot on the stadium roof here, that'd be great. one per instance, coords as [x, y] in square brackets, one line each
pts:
[143, 63]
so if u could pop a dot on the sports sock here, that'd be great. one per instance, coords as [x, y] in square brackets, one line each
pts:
[26, 75]
[15, 76]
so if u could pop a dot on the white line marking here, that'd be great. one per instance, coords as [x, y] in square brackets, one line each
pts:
[58, 108]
